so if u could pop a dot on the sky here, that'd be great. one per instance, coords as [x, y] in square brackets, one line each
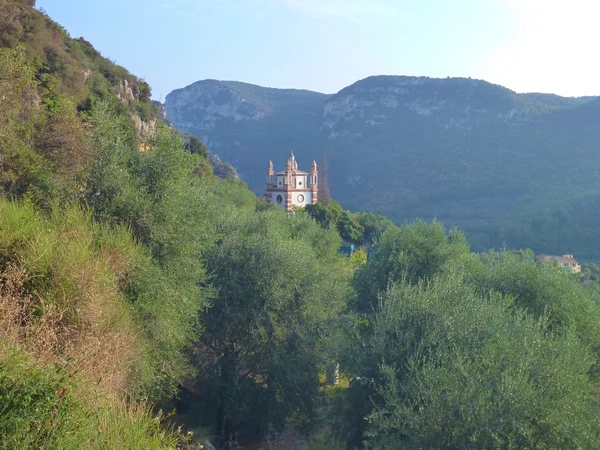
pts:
[326, 45]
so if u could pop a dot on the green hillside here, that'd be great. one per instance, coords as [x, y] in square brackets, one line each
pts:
[504, 167]
[93, 327]
[147, 303]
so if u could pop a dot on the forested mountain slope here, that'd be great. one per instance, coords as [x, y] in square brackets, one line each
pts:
[505, 167]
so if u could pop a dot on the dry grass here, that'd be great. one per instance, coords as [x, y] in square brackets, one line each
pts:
[99, 345]
[20, 322]
[68, 341]
[60, 300]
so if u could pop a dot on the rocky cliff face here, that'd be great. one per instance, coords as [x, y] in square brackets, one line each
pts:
[202, 104]
[145, 128]
[222, 169]
[452, 102]
[128, 92]
[125, 91]
[466, 151]
[224, 113]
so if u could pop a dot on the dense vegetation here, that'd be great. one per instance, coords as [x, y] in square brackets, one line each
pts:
[132, 279]
[504, 167]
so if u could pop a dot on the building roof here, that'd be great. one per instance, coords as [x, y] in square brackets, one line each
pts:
[560, 259]
[291, 167]
[293, 172]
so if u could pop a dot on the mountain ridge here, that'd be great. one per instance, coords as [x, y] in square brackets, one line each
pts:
[234, 83]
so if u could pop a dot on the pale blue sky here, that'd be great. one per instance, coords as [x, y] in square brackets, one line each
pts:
[325, 45]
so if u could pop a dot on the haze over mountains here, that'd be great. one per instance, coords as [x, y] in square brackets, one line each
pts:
[520, 169]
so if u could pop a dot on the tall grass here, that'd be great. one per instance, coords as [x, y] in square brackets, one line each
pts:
[60, 296]
[46, 406]
[68, 339]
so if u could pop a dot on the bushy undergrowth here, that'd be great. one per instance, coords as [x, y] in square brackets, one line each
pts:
[47, 406]
[61, 285]
[68, 341]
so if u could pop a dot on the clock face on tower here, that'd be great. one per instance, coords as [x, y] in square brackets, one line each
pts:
[301, 198]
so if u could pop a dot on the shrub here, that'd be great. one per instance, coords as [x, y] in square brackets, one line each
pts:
[46, 406]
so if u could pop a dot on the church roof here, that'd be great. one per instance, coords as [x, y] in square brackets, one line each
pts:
[293, 172]
[292, 167]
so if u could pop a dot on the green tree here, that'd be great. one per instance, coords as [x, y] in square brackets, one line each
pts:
[158, 196]
[334, 217]
[540, 289]
[460, 370]
[327, 216]
[374, 226]
[195, 145]
[350, 229]
[279, 282]
[410, 253]
[21, 168]
[144, 91]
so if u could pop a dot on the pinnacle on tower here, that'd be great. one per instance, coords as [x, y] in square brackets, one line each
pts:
[293, 161]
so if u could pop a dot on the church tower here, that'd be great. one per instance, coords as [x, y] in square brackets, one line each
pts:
[292, 187]
[270, 180]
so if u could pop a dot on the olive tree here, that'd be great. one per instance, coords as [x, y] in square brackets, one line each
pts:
[461, 370]
[278, 284]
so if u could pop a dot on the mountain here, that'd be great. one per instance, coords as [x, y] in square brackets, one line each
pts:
[246, 124]
[520, 169]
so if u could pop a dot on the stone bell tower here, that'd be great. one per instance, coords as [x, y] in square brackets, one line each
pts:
[292, 187]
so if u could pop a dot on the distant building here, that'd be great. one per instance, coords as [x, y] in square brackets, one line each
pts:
[566, 262]
[292, 187]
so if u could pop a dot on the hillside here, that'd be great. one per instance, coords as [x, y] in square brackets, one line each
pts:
[148, 303]
[86, 345]
[505, 167]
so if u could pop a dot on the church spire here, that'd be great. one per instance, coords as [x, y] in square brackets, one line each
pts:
[293, 161]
